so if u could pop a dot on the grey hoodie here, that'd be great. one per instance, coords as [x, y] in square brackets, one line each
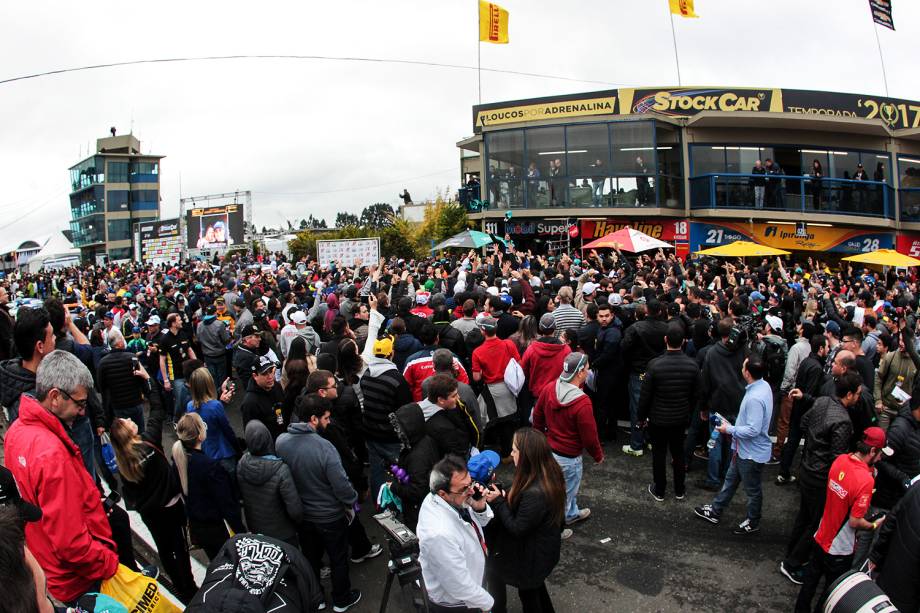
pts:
[324, 488]
[566, 393]
[213, 337]
[270, 497]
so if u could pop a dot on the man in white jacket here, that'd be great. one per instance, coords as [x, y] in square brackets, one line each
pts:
[451, 540]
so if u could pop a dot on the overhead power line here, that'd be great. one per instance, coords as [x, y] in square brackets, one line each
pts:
[329, 58]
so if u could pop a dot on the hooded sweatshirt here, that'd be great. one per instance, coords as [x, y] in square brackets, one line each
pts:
[419, 455]
[213, 336]
[270, 497]
[384, 390]
[14, 381]
[542, 362]
[564, 413]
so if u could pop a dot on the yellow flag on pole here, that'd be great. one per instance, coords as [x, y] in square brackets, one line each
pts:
[683, 8]
[493, 23]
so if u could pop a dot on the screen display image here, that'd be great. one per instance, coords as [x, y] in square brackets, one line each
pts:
[215, 227]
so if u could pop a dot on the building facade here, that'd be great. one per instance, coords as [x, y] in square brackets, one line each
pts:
[683, 164]
[110, 192]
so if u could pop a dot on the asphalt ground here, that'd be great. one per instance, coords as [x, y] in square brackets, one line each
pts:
[634, 553]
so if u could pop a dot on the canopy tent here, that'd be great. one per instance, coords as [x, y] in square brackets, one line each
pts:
[630, 240]
[884, 257]
[57, 252]
[741, 249]
[468, 239]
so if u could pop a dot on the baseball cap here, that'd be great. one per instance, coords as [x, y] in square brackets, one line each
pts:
[299, 317]
[239, 302]
[264, 365]
[589, 288]
[482, 466]
[757, 296]
[775, 322]
[489, 323]
[547, 322]
[109, 315]
[132, 307]
[249, 330]
[875, 437]
[136, 330]
[833, 327]
[383, 347]
[422, 297]
[614, 299]
[574, 362]
[154, 320]
[9, 495]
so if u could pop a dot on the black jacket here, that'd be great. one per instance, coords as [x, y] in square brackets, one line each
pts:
[587, 339]
[508, 324]
[828, 429]
[643, 341]
[811, 380]
[721, 386]
[265, 406]
[897, 552]
[14, 382]
[120, 387]
[384, 389]
[453, 431]
[418, 456]
[160, 484]
[608, 357]
[669, 390]
[211, 494]
[524, 541]
[450, 338]
[903, 465]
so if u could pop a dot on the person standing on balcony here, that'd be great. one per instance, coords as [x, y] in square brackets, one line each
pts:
[817, 172]
[859, 189]
[759, 183]
[642, 186]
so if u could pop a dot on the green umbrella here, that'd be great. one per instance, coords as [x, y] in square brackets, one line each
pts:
[468, 239]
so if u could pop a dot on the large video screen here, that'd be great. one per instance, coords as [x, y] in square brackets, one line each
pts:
[215, 227]
[160, 241]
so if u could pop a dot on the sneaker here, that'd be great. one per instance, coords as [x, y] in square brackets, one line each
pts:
[322, 606]
[651, 490]
[583, 514]
[680, 496]
[796, 575]
[152, 571]
[353, 598]
[706, 512]
[773, 461]
[375, 551]
[701, 454]
[709, 487]
[781, 480]
[637, 453]
[325, 572]
[566, 534]
[746, 527]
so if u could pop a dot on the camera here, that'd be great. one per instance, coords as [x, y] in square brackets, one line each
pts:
[403, 542]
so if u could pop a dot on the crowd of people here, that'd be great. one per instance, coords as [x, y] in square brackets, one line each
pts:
[407, 384]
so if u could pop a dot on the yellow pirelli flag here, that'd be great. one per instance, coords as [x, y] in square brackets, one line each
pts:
[684, 8]
[493, 23]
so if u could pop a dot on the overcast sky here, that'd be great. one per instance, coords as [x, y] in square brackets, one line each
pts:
[317, 137]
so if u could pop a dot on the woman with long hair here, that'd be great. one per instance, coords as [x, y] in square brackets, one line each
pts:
[527, 530]
[528, 331]
[817, 173]
[220, 444]
[293, 381]
[152, 488]
[332, 304]
[211, 502]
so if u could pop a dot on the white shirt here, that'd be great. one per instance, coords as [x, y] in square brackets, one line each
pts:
[452, 559]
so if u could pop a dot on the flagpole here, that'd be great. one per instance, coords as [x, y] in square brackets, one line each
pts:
[880, 56]
[676, 56]
[479, 50]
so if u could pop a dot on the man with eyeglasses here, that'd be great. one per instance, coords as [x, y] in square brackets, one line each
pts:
[452, 544]
[852, 341]
[73, 540]
[264, 398]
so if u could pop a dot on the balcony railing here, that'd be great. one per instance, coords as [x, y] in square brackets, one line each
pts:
[801, 194]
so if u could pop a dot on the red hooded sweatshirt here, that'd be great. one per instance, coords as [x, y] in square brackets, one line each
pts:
[542, 362]
[564, 413]
[73, 541]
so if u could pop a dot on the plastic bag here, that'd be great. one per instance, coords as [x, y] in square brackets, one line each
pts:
[108, 453]
[137, 592]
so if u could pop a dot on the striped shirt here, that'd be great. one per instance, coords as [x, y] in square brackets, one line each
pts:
[566, 316]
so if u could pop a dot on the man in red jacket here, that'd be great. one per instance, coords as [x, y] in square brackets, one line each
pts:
[542, 362]
[73, 540]
[564, 412]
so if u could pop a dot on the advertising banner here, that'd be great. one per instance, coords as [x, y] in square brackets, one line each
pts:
[160, 241]
[215, 227]
[783, 236]
[349, 251]
[674, 231]
[908, 244]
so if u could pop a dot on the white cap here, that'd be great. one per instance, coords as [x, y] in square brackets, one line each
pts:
[299, 317]
[614, 299]
[589, 288]
[132, 307]
[775, 322]
[154, 320]
[492, 290]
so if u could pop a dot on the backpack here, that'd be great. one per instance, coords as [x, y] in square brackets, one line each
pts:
[256, 573]
[773, 351]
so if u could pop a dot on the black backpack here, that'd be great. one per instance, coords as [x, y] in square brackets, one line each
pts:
[773, 352]
[255, 573]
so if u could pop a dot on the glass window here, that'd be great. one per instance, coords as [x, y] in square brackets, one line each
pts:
[809, 156]
[144, 199]
[707, 159]
[118, 200]
[670, 173]
[88, 172]
[118, 172]
[123, 253]
[119, 229]
[878, 166]
[546, 167]
[909, 172]
[505, 151]
[633, 147]
[741, 159]
[87, 202]
[842, 164]
[143, 172]
[588, 150]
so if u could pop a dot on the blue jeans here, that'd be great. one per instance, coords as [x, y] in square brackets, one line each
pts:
[379, 456]
[218, 368]
[181, 398]
[718, 458]
[748, 473]
[82, 434]
[135, 414]
[571, 471]
[636, 435]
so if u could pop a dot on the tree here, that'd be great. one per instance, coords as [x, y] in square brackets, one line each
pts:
[378, 215]
[264, 230]
[303, 224]
[346, 219]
